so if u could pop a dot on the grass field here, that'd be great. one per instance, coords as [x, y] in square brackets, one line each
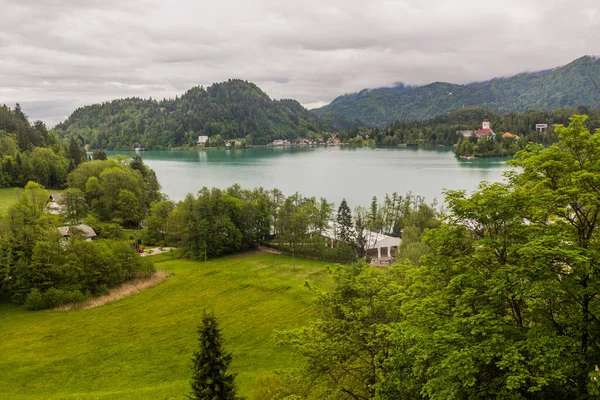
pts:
[141, 347]
[8, 197]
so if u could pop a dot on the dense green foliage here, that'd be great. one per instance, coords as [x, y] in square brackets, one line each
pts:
[229, 110]
[41, 269]
[118, 190]
[572, 85]
[211, 379]
[344, 353]
[504, 303]
[28, 152]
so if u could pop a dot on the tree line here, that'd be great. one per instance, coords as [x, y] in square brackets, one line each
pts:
[217, 222]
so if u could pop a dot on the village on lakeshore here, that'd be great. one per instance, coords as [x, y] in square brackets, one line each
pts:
[203, 141]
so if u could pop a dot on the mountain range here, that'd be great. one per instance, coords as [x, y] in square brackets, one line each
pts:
[575, 84]
[238, 109]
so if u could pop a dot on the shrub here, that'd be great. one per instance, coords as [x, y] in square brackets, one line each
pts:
[56, 297]
[75, 296]
[53, 297]
[34, 300]
[146, 266]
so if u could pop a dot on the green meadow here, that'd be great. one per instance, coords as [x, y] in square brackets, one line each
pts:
[141, 347]
[8, 197]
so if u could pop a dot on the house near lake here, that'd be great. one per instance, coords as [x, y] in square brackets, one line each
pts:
[86, 230]
[202, 140]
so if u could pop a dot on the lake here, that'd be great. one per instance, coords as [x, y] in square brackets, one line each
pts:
[356, 174]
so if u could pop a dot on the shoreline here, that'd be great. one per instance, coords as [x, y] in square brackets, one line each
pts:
[399, 146]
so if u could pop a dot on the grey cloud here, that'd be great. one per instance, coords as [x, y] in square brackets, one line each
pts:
[57, 55]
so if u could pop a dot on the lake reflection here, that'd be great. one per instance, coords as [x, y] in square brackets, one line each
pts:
[353, 173]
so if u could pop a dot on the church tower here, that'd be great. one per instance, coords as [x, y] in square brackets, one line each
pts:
[485, 124]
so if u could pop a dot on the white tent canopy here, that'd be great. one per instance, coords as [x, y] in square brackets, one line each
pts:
[374, 240]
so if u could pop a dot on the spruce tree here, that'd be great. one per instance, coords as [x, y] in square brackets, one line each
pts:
[210, 380]
[344, 222]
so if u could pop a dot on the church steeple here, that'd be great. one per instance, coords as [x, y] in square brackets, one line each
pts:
[485, 124]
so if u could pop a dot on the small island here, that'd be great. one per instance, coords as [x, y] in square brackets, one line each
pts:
[486, 143]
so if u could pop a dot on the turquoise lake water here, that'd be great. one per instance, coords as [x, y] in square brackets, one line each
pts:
[356, 174]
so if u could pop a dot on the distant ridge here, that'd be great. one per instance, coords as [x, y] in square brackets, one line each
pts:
[234, 109]
[575, 84]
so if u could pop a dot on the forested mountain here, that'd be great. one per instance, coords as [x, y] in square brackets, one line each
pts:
[234, 109]
[573, 85]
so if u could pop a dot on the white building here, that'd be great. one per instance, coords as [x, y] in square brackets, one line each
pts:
[375, 242]
[54, 207]
[202, 139]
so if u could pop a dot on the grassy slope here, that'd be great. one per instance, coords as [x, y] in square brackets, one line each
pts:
[141, 347]
[8, 197]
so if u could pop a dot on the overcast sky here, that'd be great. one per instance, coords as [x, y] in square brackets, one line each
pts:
[57, 55]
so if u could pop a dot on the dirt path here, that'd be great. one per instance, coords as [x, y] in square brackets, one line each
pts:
[118, 293]
[156, 250]
[269, 250]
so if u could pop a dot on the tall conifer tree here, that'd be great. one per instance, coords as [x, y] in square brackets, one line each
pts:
[210, 380]
[344, 222]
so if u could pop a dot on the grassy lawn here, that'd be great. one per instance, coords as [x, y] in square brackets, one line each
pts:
[141, 347]
[8, 197]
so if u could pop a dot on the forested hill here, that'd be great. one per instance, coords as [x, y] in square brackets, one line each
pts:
[573, 85]
[234, 109]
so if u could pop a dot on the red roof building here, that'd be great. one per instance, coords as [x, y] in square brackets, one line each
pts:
[485, 130]
[510, 135]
